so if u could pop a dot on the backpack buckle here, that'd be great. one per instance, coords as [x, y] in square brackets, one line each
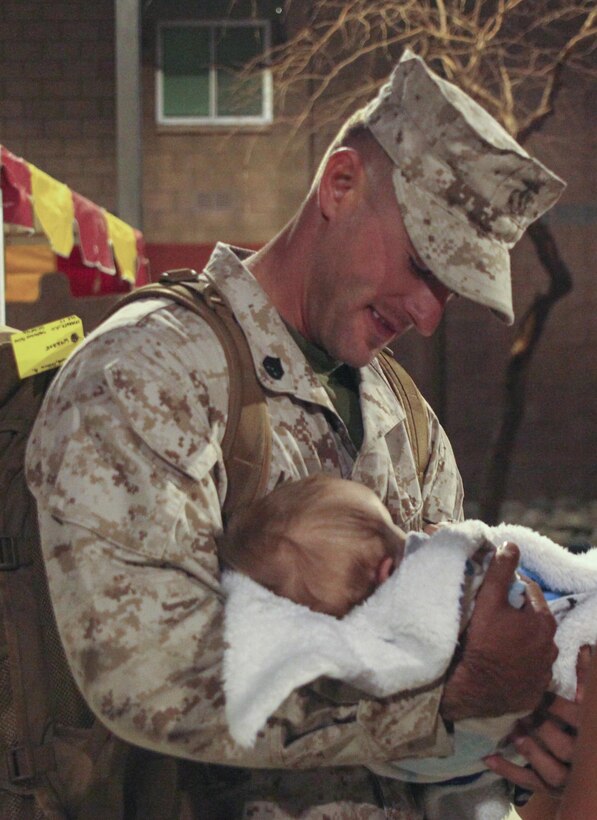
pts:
[19, 764]
[173, 277]
[9, 553]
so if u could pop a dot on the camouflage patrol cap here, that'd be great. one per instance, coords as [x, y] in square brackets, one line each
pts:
[466, 189]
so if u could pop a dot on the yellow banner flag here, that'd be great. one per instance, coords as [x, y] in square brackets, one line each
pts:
[46, 346]
[53, 206]
[124, 242]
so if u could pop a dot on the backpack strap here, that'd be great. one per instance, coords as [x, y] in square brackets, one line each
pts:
[27, 754]
[415, 407]
[246, 446]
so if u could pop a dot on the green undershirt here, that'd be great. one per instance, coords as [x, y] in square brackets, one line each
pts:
[341, 383]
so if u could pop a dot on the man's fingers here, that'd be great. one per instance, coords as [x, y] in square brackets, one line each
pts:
[499, 575]
[535, 599]
[583, 664]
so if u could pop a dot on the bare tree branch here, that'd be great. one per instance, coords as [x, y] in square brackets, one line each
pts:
[527, 336]
[503, 52]
[509, 55]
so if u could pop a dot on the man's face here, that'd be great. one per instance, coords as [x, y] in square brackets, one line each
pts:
[370, 286]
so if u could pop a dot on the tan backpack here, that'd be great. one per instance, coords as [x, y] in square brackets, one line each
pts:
[56, 759]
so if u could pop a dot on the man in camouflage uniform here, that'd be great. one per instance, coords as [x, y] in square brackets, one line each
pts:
[421, 197]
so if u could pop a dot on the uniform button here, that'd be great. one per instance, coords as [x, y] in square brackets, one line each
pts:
[273, 367]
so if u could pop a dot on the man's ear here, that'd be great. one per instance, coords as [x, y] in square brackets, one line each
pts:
[341, 179]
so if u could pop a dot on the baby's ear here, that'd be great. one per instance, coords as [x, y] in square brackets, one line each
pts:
[384, 569]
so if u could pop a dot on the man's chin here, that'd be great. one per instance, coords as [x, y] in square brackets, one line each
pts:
[361, 359]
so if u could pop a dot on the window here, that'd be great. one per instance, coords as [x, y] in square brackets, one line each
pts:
[199, 78]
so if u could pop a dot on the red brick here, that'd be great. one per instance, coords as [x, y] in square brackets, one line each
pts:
[52, 68]
[19, 128]
[23, 50]
[83, 32]
[10, 73]
[104, 86]
[12, 30]
[63, 88]
[70, 50]
[21, 87]
[44, 109]
[98, 127]
[64, 128]
[16, 10]
[12, 108]
[82, 109]
[43, 147]
[57, 10]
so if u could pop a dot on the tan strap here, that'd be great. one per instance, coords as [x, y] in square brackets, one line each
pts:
[246, 446]
[29, 678]
[23, 765]
[415, 407]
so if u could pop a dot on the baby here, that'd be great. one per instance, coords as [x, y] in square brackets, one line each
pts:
[322, 542]
[328, 544]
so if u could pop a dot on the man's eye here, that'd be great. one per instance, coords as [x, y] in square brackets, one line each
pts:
[419, 271]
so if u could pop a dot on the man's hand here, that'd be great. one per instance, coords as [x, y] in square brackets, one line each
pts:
[507, 653]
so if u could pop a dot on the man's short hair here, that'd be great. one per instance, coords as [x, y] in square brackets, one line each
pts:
[465, 188]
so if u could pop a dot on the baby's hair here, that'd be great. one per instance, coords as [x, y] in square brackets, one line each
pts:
[310, 542]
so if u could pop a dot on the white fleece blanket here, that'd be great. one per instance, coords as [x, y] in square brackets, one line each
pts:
[403, 636]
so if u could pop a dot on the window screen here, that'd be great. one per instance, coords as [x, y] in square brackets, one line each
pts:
[200, 77]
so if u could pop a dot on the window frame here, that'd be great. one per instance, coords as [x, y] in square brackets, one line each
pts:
[213, 120]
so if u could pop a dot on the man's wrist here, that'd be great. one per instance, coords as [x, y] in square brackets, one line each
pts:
[453, 705]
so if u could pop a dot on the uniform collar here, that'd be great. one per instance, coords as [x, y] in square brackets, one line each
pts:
[280, 364]
[321, 362]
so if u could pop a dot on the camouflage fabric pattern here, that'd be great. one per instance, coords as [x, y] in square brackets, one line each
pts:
[126, 465]
[466, 189]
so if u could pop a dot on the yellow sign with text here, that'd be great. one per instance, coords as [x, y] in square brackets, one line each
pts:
[47, 346]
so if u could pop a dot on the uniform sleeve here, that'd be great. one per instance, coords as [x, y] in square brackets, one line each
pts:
[127, 473]
[442, 488]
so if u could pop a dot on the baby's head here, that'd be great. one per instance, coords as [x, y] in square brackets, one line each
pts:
[323, 542]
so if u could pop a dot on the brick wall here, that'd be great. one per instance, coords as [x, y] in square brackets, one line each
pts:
[200, 185]
[57, 110]
[57, 91]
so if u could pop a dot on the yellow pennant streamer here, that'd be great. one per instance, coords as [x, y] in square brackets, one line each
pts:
[123, 240]
[53, 206]
[47, 346]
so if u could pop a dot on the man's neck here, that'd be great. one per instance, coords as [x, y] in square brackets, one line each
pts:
[283, 269]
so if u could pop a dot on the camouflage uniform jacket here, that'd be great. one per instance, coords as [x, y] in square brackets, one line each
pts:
[126, 466]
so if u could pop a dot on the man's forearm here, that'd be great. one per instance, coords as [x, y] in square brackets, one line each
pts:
[145, 643]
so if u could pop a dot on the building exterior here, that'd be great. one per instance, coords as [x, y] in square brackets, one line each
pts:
[216, 168]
